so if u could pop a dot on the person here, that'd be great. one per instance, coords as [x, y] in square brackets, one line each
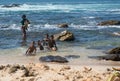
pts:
[40, 45]
[24, 27]
[32, 49]
[46, 41]
[52, 43]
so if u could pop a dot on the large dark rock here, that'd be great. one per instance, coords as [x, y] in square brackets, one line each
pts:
[12, 5]
[109, 22]
[114, 57]
[64, 36]
[64, 25]
[114, 51]
[51, 58]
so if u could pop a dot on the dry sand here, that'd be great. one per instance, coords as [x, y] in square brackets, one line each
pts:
[54, 72]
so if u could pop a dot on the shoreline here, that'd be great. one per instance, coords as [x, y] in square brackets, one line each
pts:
[77, 69]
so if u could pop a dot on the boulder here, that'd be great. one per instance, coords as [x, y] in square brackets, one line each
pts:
[114, 51]
[64, 36]
[51, 58]
[109, 22]
[112, 57]
[64, 25]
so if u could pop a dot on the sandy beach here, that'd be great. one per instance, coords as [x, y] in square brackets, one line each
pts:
[54, 72]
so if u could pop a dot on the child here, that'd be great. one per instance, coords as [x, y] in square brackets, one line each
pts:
[32, 49]
[40, 45]
[52, 44]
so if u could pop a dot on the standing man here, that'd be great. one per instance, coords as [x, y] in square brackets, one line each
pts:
[24, 27]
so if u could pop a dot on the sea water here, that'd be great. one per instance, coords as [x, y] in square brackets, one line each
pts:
[82, 17]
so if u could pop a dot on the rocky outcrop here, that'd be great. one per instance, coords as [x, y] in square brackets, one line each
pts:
[51, 58]
[64, 25]
[64, 36]
[10, 6]
[111, 57]
[114, 51]
[109, 22]
[113, 54]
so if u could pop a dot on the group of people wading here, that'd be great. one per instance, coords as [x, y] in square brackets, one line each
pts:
[47, 43]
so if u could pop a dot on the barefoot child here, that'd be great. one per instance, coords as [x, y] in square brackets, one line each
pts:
[40, 45]
[32, 49]
[52, 43]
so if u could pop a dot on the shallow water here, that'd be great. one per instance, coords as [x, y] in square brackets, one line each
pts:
[81, 16]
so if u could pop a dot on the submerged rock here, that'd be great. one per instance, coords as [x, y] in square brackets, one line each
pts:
[10, 6]
[72, 56]
[64, 25]
[64, 36]
[109, 22]
[51, 58]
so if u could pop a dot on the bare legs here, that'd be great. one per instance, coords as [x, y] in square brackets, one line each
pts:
[24, 33]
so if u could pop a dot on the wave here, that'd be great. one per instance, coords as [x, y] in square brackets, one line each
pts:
[63, 7]
[47, 26]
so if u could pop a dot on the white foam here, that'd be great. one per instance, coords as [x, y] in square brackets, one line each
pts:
[61, 7]
[116, 33]
[46, 26]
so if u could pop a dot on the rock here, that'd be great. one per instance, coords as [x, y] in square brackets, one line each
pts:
[2, 67]
[16, 66]
[64, 25]
[12, 70]
[114, 51]
[109, 22]
[64, 36]
[72, 56]
[112, 57]
[10, 6]
[22, 67]
[31, 79]
[26, 73]
[8, 65]
[51, 58]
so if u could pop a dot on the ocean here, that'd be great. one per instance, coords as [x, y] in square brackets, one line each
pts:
[82, 17]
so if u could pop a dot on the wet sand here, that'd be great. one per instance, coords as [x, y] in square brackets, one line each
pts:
[79, 67]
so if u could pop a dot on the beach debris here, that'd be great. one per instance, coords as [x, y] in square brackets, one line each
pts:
[22, 67]
[31, 79]
[65, 68]
[114, 77]
[51, 58]
[64, 36]
[86, 69]
[22, 80]
[116, 69]
[109, 22]
[64, 25]
[12, 70]
[2, 67]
